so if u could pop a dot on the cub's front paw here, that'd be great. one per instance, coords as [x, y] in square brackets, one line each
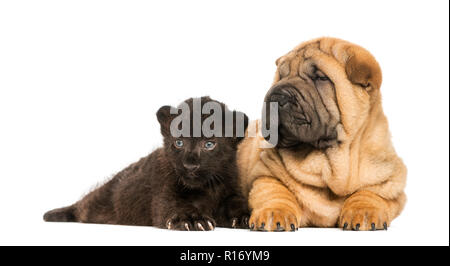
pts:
[277, 220]
[364, 212]
[240, 221]
[190, 222]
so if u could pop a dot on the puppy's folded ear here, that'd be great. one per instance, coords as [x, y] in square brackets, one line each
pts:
[164, 118]
[362, 69]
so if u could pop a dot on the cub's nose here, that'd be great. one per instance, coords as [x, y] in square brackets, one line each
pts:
[191, 167]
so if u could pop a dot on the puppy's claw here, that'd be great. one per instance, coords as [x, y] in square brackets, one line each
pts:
[292, 227]
[262, 226]
[373, 227]
[279, 228]
[186, 226]
[357, 227]
[385, 226]
[345, 226]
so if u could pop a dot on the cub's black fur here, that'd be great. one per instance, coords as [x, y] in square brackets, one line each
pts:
[191, 183]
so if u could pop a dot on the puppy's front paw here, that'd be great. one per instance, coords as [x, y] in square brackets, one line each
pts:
[190, 222]
[269, 219]
[364, 212]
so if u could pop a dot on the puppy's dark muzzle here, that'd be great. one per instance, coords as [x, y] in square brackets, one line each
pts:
[290, 117]
[282, 95]
[287, 98]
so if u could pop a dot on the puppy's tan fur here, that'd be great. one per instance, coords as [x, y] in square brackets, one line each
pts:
[356, 184]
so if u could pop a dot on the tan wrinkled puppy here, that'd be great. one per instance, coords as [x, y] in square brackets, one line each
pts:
[334, 164]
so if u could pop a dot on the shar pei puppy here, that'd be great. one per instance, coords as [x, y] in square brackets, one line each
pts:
[334, 164]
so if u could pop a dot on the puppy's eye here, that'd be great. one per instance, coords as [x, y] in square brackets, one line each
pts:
[320, 76]
[179, 143]
[209, 145]
[324, 78]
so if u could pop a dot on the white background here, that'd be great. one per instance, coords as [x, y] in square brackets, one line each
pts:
[80, 82]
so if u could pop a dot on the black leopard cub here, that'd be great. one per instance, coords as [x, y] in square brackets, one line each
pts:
[191, 183]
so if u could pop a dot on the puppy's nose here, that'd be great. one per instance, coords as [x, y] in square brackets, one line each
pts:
[191, 167]
[280, 98]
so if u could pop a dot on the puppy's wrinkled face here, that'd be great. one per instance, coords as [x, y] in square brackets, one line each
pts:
[307, 107]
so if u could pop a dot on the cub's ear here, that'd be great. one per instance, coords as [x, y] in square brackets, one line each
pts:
[362, 69]
[165, 118]
[241, 124]
[163, 114]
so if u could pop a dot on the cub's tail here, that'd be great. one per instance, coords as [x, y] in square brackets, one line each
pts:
[66, 214]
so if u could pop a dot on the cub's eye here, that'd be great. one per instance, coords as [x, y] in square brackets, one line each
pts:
[179, 143]
[209, 145]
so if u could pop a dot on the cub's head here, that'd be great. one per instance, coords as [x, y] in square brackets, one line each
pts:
[200, 139]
